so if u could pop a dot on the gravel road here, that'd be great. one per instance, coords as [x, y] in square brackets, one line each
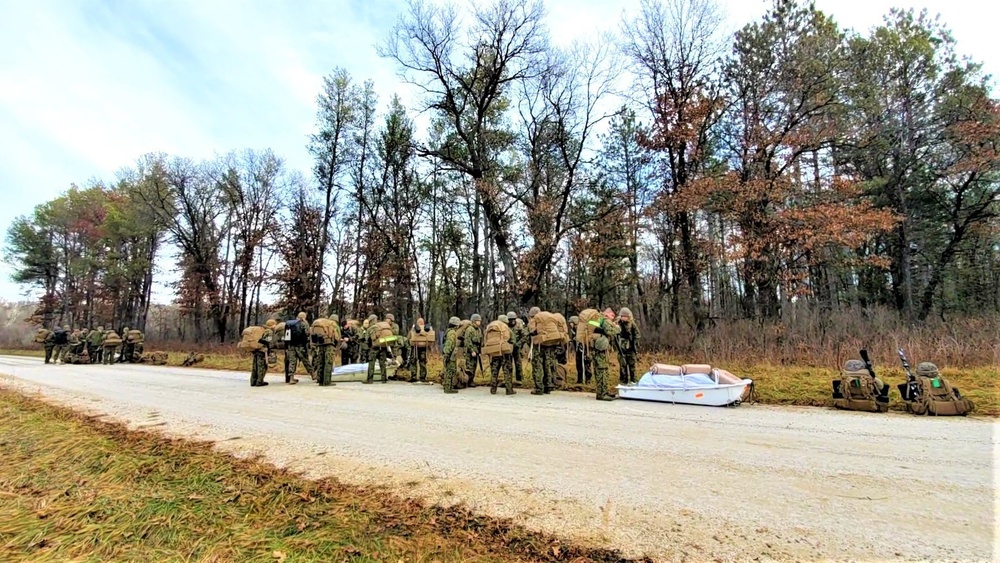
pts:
[676, 483]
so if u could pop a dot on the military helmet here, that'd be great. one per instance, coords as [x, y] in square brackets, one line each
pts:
[302, 316]
[373, 318]
[270, 323]
[65, 327]
[335, 318]
[854, 365]
[574, 319]
[511, 315]
[454, 321]
[927, 369]
[533, 311]
[390, 317]
[100, 329]
[502, 318]
[625, 312]
[475, 318]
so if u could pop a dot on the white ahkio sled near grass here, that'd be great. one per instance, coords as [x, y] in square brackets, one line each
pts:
[359, 372]
[690, 384]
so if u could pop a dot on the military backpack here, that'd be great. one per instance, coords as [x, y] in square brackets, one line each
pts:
[323, 331]
[497, 339]
[382, 335]
[41, 335]
[422, 339]
[548, 330]
[857, 391]
[935, 396]
[252, 339]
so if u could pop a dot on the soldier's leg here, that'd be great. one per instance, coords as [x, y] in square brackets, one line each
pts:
[600, 373]
[48, 354]
[580, 366]
[494, 373]
[550, 368]
[371, 366]
[291, 363]
[470, 369]
[448, 377]
[630, 360]
[331, 357]
[383, 354]
[253, 369]
[508, 379]
[538, 371]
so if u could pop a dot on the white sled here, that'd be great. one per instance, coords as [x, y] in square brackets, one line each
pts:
[359, 372]
[689, 385]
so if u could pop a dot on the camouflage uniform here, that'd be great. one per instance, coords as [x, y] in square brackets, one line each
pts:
[259, 369]
[95, 345]
[349, 352]
[376, 354]
[127, 348]
[49, 344]
[579, 358]
[599, 356]
[108, 353]
[450, 361]
[628, 342]
[502, 362]
[364, 344]
[473, 347]
[521, 339]
[418, 356]
[59, 348]
[543, 362]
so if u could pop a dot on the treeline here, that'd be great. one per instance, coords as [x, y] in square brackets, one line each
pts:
[792, 170]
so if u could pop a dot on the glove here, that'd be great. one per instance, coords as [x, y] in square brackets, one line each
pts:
[600, 329]
[533, 333]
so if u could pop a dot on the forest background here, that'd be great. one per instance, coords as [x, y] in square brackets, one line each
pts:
[783, 194]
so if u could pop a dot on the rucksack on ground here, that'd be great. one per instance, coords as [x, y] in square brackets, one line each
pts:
[424, 339]
[296, 332]
[496, 341]
[589, 319]
[250, 339]
[382, 335]
[856, 390]
[550, 331]
[323, 331]
[935, 396]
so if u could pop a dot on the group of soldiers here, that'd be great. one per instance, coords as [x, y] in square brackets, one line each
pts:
[378, 342]
[90, 346]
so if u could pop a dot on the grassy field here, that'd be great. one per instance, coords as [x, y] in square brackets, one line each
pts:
[774, 384]
[73, 488]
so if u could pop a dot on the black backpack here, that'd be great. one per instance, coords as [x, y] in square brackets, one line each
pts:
[61, 337]
[299, 332]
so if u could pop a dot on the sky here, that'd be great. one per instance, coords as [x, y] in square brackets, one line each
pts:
[88, 86]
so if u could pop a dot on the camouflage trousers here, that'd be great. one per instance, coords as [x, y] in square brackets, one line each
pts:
[600, 363]
[583, 374]
[58, 351]
[379, 355]
[515, 359]
[450, 371]
[543, 367]
[496, 364]
[293, 355]
[94, 351]
[324, 354]
[48, 354]
[109, 355]
[259, 369]
[626, 368]
[471, 363]
[418, 359]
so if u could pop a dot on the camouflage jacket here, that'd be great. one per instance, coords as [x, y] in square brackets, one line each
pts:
[521, 336]
[95, 338]
[473, 339]
[450, 341]
[628, 340]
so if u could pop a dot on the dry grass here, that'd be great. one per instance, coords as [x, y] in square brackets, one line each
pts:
[74, 488]
[774, 384]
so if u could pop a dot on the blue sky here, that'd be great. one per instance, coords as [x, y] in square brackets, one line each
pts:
[88, 86]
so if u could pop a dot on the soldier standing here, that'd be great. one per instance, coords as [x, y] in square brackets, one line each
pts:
[377, 352]
[628, 342]
[520, 339]
[450, 361]
[95, 344]
[340, 332]
[607, 329]
[418, 354]
[473, 346]
[543, 361]
[364, 342]
[297, 348]
[325, 354]
[49, 343]
[111, 343]
[259, 368]
[348, 338]
[579, 358]
[502, 361]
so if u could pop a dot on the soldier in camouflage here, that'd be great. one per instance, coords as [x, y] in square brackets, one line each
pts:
[543, 362]
[579, 358]
[450, 361]
[521, 339]
[349, 345]
[259, 368]
[628, 342]
[418, 356]
[296, 351]
[502, 362]
[49, 344]
[473, 347]
[606, 331]
[377, 353]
